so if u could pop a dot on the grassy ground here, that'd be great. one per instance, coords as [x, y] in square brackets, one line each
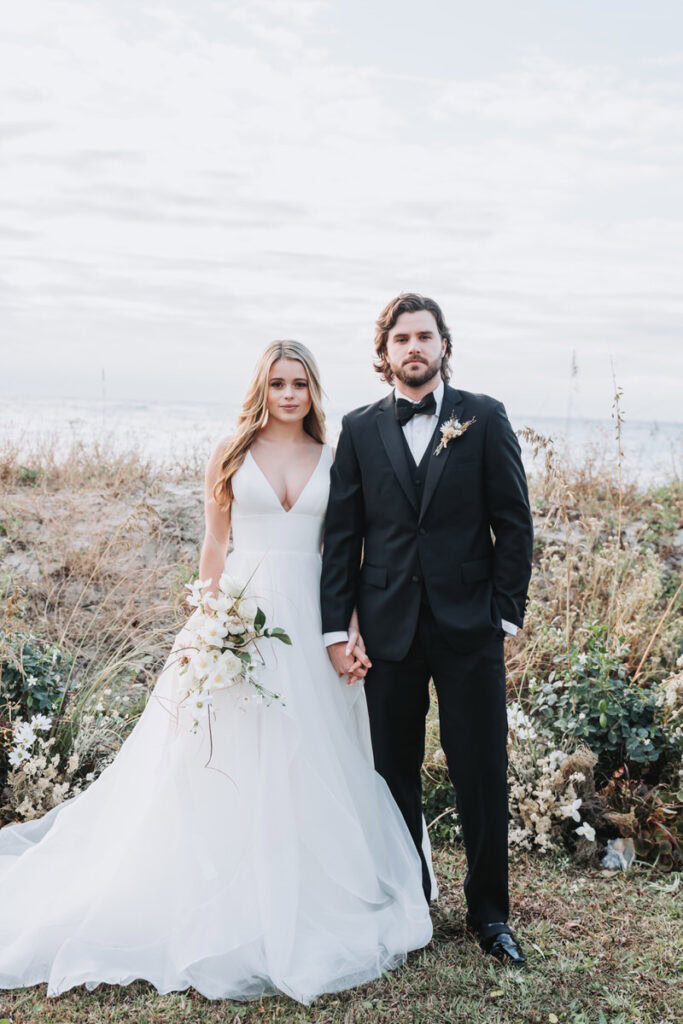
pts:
[97, 549]
[601, 947]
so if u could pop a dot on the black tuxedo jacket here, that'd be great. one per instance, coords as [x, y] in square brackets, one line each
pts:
[384, 548]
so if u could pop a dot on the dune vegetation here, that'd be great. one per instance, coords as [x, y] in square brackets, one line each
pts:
[94, 550]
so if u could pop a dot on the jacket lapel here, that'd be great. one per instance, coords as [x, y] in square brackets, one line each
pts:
[451, 405]
[390, 432]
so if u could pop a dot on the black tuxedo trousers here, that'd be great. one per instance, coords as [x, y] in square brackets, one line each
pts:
[470, 689]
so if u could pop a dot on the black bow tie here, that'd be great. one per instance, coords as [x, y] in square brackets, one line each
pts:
[405, 409]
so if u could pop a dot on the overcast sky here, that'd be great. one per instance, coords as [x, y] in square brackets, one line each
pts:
[181, 183]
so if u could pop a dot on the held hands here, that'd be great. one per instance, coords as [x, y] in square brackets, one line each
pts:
[348, 657]
[353, 665]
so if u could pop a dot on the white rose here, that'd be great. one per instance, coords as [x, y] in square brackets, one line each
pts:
[248, 609]
[230, 585]
[231, 663]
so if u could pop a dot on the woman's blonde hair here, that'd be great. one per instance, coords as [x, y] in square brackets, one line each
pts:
[253, 414]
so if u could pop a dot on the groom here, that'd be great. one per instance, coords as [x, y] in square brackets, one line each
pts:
[421, 481]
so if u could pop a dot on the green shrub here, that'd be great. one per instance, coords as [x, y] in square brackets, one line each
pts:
[589, 699]
[438, 803]
[33, 674]
[28, 476]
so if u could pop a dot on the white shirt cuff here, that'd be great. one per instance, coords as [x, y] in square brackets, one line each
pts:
[335, 638]
[509, 627]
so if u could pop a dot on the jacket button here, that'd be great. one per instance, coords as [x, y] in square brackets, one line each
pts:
[416, 579]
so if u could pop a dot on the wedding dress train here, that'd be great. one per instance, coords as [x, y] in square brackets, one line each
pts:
[267, 856]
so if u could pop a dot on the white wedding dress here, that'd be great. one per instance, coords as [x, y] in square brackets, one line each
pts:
[282, 866]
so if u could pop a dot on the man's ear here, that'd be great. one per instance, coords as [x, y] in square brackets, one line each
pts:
[444, 346]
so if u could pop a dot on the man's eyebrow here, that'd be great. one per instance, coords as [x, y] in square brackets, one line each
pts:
[404, 334]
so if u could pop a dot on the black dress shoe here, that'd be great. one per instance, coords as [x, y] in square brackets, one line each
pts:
[505, 948]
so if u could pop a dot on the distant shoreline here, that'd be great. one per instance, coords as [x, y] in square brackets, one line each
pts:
[171, 432]
[109, 405]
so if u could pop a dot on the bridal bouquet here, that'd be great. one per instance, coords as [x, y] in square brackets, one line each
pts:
[223, 648]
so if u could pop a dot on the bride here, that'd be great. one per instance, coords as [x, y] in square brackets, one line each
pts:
[263, 854]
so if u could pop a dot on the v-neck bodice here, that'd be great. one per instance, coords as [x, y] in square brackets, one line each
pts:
[260, 522]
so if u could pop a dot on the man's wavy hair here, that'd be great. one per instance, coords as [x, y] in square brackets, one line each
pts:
[407, 302]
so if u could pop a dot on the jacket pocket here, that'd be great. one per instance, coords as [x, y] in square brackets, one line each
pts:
[475, 572]
[375, 575]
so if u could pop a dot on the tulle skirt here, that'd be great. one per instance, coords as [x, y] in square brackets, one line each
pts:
[261, 855]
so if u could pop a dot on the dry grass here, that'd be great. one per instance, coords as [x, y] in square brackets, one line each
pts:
[95, 549]
[50, 464]
[605, 552]
[601, 949]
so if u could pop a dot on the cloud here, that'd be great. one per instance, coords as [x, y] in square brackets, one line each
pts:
[191, 168]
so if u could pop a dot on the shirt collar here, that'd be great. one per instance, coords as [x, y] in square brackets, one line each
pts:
[438, 395]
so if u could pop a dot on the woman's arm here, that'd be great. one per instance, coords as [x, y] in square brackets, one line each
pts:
[216, 525]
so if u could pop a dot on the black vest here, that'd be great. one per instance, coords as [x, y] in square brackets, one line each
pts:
[419, 472]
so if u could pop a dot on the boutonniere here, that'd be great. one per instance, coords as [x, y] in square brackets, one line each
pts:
[451, 429]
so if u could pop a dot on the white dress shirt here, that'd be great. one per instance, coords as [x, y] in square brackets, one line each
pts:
[417, 432]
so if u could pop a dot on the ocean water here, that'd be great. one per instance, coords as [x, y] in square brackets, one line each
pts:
[171, 432]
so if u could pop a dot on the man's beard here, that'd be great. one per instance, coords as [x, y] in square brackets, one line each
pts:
[416, 378]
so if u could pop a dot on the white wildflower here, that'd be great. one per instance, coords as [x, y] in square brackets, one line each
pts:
[556, 759]
[520, 723]
[41, 722]
[201, 699]
[587, 831]
[571, 810]
[24, 734]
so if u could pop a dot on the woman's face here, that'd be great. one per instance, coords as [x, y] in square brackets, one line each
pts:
[289, 397]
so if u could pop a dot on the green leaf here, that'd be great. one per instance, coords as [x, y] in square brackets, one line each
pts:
[279, 634]
[259, 619]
